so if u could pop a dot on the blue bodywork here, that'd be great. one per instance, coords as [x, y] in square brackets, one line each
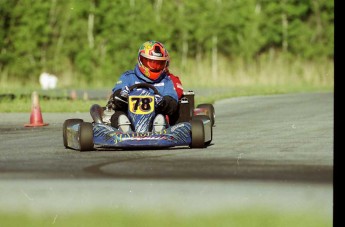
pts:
[107, 136]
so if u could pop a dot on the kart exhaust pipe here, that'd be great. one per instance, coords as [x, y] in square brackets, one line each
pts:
[96, 112]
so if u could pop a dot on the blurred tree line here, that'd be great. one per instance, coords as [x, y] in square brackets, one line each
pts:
[98, 39]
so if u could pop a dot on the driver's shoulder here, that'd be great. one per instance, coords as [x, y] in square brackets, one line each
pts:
[128, 73]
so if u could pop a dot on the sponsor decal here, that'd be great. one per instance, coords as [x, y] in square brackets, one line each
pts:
[119, 137]
[161, 84]
[173, 128]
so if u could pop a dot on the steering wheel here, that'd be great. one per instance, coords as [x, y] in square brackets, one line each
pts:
[145, 85]
[131, 88]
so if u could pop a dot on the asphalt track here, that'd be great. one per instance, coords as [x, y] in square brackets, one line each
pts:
[267, 151]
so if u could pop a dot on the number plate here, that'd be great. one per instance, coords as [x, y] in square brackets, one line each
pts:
[141, 104]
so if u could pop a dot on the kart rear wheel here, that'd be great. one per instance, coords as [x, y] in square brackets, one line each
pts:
[66, 124]
[86, 136]
[198, 134]
[210, 110]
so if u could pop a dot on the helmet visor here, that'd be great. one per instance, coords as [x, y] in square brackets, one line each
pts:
[153, 65]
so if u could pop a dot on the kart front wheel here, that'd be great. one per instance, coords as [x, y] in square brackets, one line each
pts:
[208, 128]
[86, 136]
[198, 134]
[66, 124]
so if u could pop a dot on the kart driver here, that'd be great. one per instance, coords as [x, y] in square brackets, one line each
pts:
[151, 68]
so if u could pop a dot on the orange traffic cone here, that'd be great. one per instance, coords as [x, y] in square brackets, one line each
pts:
[36, 115]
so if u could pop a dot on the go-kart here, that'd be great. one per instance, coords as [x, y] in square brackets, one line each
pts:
[192, 127]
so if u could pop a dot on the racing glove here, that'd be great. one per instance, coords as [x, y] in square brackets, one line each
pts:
[158, 100]
[124, 92]
[167, 106]
[119, 99]
[111, 104]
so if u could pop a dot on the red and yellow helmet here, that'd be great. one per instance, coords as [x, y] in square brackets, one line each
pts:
[152, 59]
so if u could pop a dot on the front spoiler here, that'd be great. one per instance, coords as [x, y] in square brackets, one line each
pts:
[107, 136]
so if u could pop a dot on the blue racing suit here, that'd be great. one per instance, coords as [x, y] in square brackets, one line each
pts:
[163, 84]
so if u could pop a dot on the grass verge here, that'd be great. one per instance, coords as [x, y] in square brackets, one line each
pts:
[210, 96]
[268, 74]
[243, 218]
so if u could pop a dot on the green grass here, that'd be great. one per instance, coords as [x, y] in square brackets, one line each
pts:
[266, 70]
[269, 74]
[81, 105]
[23, 105]
[242, 218]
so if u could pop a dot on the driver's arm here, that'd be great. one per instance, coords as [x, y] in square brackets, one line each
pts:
[168, 105]
[116, 103]
[119, 103]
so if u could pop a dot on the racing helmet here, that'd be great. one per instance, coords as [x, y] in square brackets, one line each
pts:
[152, 59]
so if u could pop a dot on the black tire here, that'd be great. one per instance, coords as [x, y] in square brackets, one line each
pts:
[210, 110]
[86, 136]
[67, 123]
[198, 134]
[204, 118]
